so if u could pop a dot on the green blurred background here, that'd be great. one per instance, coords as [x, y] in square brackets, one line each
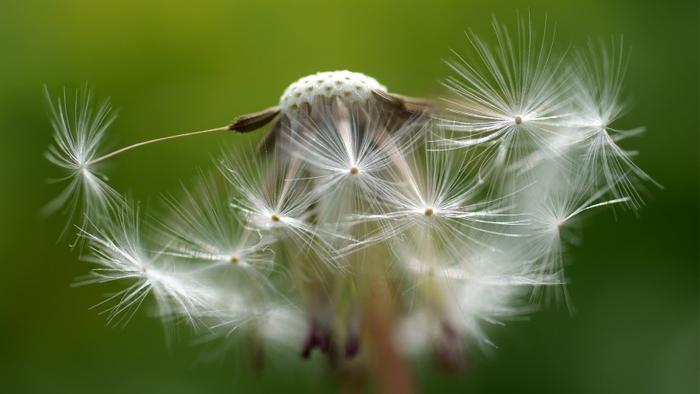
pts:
[174, 67]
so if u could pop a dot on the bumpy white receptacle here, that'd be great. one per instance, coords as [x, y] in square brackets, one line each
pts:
[347, 84]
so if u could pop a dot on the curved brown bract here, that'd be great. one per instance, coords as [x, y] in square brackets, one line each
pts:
[255, 120]
[394, 109]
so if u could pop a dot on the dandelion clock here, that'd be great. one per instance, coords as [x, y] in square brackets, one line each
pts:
[367, 227]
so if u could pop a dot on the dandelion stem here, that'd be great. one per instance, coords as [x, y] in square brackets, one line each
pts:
[161, 139]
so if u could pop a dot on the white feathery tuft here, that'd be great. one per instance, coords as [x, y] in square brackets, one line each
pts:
[118, 250]
[437, 202]
[277, 199]
[79, 130]
[511, 98]
[599, 76]
[203, 229]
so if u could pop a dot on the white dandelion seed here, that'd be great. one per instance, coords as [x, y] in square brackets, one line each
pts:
[511, 99]
[118, 250]
[554, 212]
[436, 200]
[278, 200]
[481, 294]
[456, 296]
[79, 130]
[600, 73]
[349, 149]
[270, 195]
[204, 229]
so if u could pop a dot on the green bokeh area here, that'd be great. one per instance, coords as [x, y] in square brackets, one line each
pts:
[174, 67]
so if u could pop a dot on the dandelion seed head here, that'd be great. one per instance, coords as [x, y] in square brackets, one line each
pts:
[350, 86]
[444, 219]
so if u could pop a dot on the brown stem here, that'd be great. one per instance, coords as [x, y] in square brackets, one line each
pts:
[392, 374]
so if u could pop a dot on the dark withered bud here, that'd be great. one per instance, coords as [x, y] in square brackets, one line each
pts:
[352, 342]
[449, 350]
[321, 337]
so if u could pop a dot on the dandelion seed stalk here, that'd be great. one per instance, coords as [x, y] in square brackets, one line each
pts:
[153, 141]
